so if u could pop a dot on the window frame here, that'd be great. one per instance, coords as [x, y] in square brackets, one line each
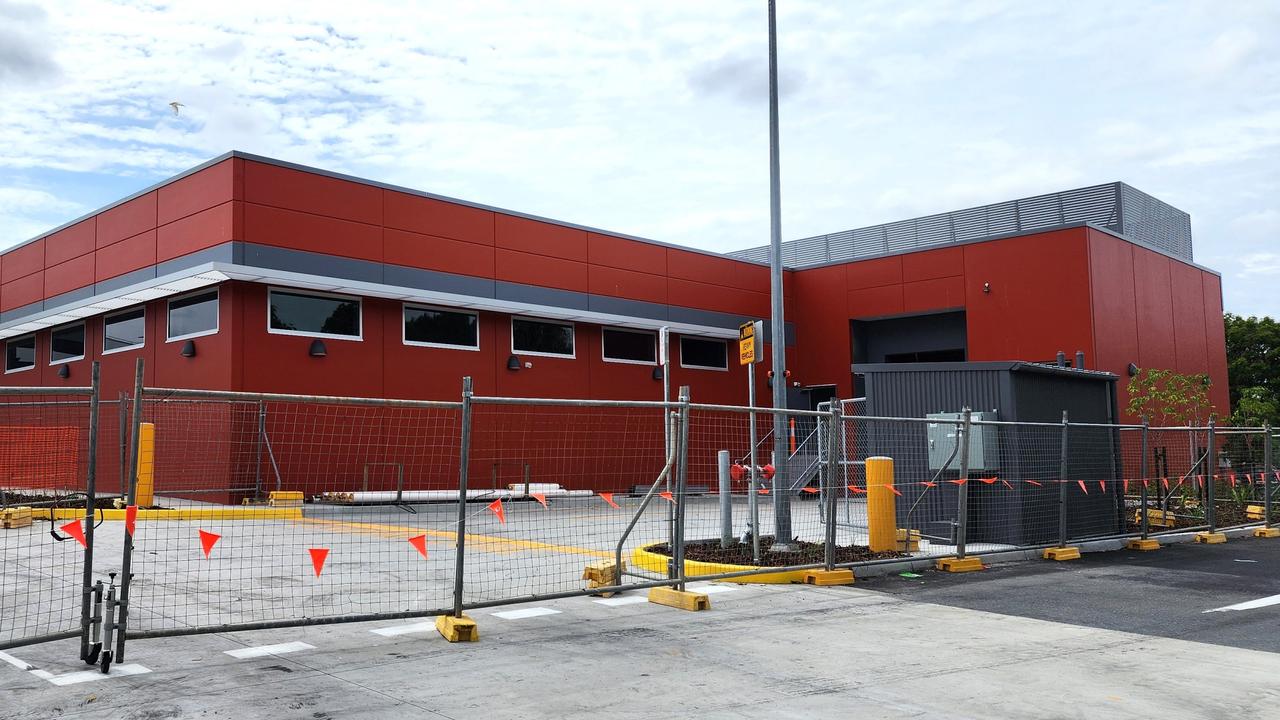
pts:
[705, 339]
[126, 348]
[565, 323]
[35, 349]
[404, 327]
[634, 331]
[217, 318]
[84, 343]
[359, 337]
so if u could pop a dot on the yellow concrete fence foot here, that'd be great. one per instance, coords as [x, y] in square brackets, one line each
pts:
[1143, 544]
[1266, 532]
[603, 573]
[457, 629]
[1255, 512]
[679, 599]
[829, 577]
[959, 565]
[1210, 538]
[1061, 553]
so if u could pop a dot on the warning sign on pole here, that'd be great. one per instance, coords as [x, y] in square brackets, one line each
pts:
[748, 348]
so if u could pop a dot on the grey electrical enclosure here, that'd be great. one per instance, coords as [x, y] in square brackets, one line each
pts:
[942, 442]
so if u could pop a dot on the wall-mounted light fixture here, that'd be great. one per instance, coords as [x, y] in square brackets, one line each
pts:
[64, 372]
[1133, 369]
[986, 287]
[188, 349]
[513, 363]
[317, 348]
[657, 372]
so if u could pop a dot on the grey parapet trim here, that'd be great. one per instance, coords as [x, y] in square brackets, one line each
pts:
[125, 280]
[420, 279]
[311, 263]
[537, 295]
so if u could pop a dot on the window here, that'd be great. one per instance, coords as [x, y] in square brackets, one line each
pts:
[441, 328]
[294, 313]
[704, 353]
[629, 346]
[66, 344]
[124, 330]
[20, 354]
[193, 315]
[541, 337]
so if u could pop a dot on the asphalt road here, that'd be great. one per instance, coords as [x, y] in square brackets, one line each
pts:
[1164, 593]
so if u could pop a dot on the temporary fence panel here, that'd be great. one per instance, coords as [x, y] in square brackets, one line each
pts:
[44, 465]
[278, 510]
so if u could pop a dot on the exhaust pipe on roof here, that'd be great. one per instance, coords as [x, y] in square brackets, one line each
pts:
[1079, 359]
[1062, 359]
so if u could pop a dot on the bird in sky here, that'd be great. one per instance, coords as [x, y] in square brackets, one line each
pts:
[175, 105]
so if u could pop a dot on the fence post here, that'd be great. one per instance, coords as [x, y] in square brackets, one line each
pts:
[257, 467]
[726, 498]
[834, 469]
[1266, 475]
[463, 467]
[1146, 527]
[1062, 484]
[91, 498]
[962, 493]
[126, 574]
[123, 440]
[682, 476]
[1211, 464]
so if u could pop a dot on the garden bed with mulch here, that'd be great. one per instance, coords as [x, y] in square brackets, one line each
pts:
[805, 553]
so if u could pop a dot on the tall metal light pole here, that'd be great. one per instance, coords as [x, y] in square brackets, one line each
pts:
[781, 481]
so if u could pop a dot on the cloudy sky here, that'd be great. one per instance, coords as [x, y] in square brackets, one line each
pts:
[650, 117]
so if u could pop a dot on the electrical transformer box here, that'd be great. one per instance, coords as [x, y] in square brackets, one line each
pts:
[942, 442]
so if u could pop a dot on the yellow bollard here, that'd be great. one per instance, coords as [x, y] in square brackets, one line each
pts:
[881, 514]
[146, 465]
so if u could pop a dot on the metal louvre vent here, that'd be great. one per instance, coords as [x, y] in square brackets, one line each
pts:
[1114, 206]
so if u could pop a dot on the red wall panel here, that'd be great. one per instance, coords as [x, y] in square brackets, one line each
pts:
[195, 192]
[1153, 291]
[70, 243]
[721, 298]
[68, 276]
[626, 254]
[311, 193]
[198, 231]
[875, 302]
[938, 294]
[530, 269]
[23, 291]
[1114, 297]
[313, 233]
[703, 268]
[436, 217]
[821, 323]
[127, 220]
[1216, 342]
[125, 256]
[940, 263]
[23, 261]
[627, 284]
[874, 273]
[1188, 319]
[437, 253]
[532, 236]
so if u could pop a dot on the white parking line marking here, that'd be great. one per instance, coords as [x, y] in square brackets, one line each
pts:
[710, 589]
[1249, 605]
[1249, 561]
[404, 629]
[525, 613]
[622, 600]
[91, 675]
[262, 650]
[20, 664]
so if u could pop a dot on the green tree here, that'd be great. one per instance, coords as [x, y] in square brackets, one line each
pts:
[1253, 367]
[1166, 397]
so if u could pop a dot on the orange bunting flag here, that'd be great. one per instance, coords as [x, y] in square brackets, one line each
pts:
[1082, 486]
[1165, 480]
[1033, 482]
[1199, 479]
[318, 556]
[1006, 484]
[666, 495]
[928, 484]
[894, 490]
[207, 541]
[1232, 479]
[130, 519]
[988, 481]
[810, 490]
[496, 508]
[608, 497]
[75, 530]
[1102, 484]
[540, 498]
[763, 491]
[419, 543]
[856, 490]
[1126, 486]
[961, 481]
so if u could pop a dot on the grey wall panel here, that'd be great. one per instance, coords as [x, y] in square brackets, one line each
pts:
[125, 280]
[535, 295]
[311, 263]
[19, 312]
[630, 308]
[224, 253]
[438, 281]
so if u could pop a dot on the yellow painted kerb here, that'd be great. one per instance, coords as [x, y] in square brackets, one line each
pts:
[195, 513]
[643, 557]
